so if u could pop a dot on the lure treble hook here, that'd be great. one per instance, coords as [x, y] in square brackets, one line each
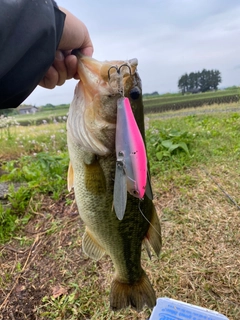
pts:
[118, 69]
[112, 67]
[125, 65]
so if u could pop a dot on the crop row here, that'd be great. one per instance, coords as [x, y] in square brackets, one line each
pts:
[158, 106]
[188, 97]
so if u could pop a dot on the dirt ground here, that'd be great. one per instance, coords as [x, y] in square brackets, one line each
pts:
[28, 268]
[199, 264]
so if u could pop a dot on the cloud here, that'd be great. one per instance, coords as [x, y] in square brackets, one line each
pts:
[168, 37]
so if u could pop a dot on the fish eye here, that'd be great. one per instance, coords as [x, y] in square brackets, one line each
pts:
[135, 93]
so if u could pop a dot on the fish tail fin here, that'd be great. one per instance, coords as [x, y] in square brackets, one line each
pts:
[135, 295]
[154, 233]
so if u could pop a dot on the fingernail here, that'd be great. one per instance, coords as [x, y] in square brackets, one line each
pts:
[59, 55]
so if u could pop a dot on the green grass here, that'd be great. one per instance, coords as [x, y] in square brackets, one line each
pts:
[41, 174]
[19, 140]
[47, 116]
[190, 156]
[208, 139]
[40, 167]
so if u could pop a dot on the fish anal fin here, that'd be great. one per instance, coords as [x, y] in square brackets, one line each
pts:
[135, 295]
[70, 177]
[91, 246]
[154, 233]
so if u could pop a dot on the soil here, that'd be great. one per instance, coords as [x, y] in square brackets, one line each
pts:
[31, 270]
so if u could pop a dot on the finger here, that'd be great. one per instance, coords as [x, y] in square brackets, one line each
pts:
[75, 35]
[71, 63]
[87, 51]
[86, 46]
[59, 65]
[50, 79]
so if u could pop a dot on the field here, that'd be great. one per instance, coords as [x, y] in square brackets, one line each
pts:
[167, 102]
[194, 160]
[152, 104]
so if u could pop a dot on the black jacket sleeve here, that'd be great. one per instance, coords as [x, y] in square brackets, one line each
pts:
[30, 31]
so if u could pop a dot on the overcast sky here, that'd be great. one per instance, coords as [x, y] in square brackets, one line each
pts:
[168, 37]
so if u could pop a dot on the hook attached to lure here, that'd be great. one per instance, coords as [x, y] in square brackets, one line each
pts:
[116, 78]
[118, 69]
[131, 165]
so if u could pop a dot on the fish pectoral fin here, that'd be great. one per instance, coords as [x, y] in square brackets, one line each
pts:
[94, 178]
[91, 246]
[135, 295]
[70, 177]
[154, 233]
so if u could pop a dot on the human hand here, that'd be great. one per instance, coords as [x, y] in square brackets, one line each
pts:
[75, 36]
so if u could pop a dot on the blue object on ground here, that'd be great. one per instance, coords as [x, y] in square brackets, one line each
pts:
[170, 309]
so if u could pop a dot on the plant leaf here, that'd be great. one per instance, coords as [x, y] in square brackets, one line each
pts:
[184, 147]
[167, 144]
[159, 155]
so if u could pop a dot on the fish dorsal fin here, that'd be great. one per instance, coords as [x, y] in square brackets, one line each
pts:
[120, 191]
[70, 177]
[91, 246]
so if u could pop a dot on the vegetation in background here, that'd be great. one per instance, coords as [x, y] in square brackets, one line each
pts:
[175, 102]
[203, 81]
[153, 103]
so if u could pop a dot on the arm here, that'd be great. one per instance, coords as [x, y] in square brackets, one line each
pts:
[75, 35]
[30, 34]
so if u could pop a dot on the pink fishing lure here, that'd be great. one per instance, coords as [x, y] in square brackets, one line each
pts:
[131, 167]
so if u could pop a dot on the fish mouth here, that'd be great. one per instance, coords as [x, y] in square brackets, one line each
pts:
[93, 111]
[105, 76]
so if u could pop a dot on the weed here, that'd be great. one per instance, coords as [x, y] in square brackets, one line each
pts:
[8, 223]
[168, 148]
[42, 174]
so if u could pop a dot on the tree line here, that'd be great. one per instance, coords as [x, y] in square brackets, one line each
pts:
[203, 81]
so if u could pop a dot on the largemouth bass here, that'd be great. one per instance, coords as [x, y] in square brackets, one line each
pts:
[91, 130]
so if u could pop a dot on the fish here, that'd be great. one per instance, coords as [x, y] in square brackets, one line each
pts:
[91, 139]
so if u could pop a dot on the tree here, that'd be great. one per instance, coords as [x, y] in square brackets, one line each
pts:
[183, 83]
[200, 81]
[216, 79]
[191, 81]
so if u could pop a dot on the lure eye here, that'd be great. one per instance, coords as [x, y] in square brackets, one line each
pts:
[135, 93]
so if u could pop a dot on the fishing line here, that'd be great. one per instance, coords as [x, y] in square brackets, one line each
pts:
[221, 188]
[147, 218]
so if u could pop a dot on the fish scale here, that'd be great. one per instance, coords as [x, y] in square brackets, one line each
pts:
[91, 132]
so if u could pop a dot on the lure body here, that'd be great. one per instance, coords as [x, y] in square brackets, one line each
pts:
[131, 166]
